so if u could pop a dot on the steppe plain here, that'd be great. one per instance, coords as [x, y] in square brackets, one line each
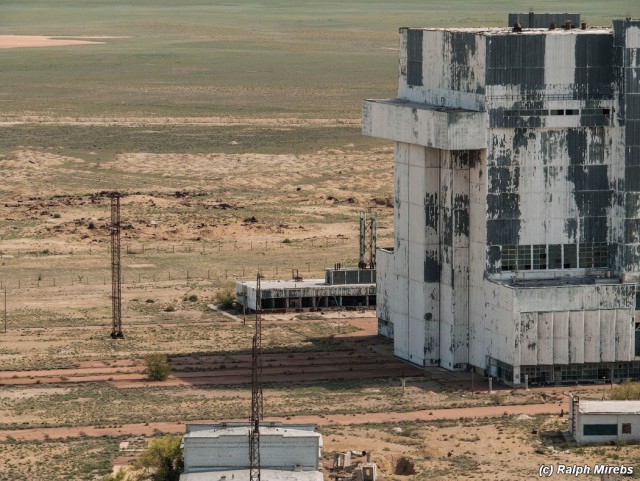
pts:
[205, 114]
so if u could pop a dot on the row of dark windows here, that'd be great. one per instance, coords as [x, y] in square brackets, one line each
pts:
[553, 256]
[605, 429]
[553, 112]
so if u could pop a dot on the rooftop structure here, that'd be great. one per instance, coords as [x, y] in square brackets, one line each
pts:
[517, 201]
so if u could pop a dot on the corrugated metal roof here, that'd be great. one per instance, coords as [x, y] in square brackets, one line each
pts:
[609, 407]
[243, 432]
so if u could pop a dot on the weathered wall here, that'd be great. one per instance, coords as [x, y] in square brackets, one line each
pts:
[452, 73]
[627, 53]
[560, 111]
[232, 452]
[619, 419]
[552, 157]
[424, 125]
[385, 281]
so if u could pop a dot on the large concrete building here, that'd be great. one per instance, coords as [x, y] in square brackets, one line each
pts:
[517, 201]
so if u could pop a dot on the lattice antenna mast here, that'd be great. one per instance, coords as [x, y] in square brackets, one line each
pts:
[116, 277]
[257, 409]
[368, 240]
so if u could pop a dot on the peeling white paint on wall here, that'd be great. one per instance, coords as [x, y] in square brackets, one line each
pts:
[513, 141]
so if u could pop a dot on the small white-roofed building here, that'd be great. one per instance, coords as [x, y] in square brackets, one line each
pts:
[220, 452]
[602, 421]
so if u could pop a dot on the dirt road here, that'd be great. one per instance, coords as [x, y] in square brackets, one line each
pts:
[336, 419]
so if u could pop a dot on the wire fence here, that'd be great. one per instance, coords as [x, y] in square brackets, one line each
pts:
[133, 248]
[188, 276]
[51, 276]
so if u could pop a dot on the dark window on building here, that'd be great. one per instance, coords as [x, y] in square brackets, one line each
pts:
[524, 258]
[626, 428]
[508, 258]
[637, 350]
[606, 112]
[600, 255]
[557, 112]
[572, 112]
[570, 259]
[555, 256]
[600, 430]
[539, 257]
[585, 255]
[414, 57]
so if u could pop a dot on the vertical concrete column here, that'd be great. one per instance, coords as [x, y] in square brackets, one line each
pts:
[454, 255]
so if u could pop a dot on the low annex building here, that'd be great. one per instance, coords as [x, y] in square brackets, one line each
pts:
[215, 452]
[341, 288]
[517, 200]
[603, 421]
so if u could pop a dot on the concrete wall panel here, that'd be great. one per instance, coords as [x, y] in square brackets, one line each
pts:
[385, 280]
[545, 338]
[576, 337]
[528, 338]
[446, 326]
[607, 335]
[592, 336]
[624, 335]
[400, 315]
[559, 61]
[561, 337]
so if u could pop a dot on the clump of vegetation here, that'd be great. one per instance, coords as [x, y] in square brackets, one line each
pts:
[169, 309]
[162, 460]
[225, 299]
[157, 367]
[191, 298]
[628, 390]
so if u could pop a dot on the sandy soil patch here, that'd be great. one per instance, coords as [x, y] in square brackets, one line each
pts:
[20, 394]
[22, 41]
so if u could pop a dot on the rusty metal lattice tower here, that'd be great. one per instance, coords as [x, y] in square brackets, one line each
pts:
[116, 277]
[256, 390]
[368, 238]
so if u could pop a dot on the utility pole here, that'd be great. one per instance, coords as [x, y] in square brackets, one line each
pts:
[256, 390]
[116, 276]
[368, 240]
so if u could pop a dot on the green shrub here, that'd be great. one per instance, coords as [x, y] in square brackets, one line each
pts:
[163, 459]
[225, 298]
[628, 390]
[157, 367]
